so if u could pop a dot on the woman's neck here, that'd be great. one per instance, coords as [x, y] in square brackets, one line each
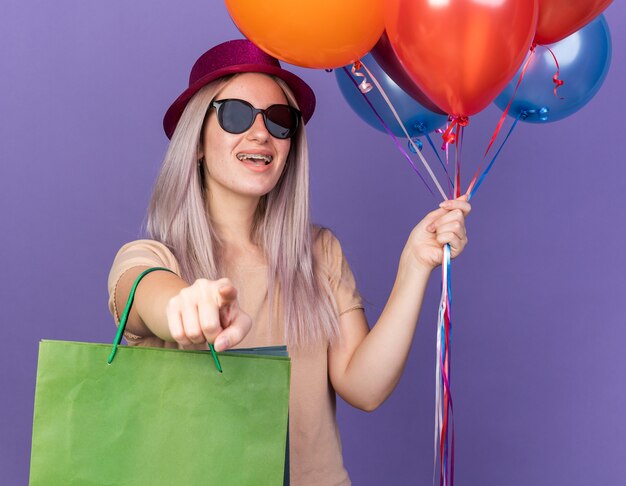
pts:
[232, 216]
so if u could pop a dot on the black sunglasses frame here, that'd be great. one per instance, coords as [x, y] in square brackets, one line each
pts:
[296, 116]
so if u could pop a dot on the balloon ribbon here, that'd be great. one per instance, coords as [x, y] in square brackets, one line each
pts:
[397, 117]
[449, 137]
[388, 130]
[444, 412]
[508, 107]
[555, 79]
[364, 86]
[432, 146]
[444, 418]
[474, 187]
[471, 190]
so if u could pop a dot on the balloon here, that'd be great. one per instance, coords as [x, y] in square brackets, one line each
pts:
[560, 18]
[417, 119]
[314, 33]
[388, 61]
[461, 53]
[584, 58]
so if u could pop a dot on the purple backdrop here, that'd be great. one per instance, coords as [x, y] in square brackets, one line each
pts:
[539, 307]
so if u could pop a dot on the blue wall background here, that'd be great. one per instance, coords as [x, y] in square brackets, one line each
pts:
[539, 293]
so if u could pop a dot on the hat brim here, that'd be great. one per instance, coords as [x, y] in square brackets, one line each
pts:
[303, 93]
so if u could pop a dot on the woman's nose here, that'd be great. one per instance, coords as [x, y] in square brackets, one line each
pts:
[258, 130]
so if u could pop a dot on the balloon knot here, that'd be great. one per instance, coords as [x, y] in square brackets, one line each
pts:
[416, 143]
[449, 137]
[541, 113]
[420, 127]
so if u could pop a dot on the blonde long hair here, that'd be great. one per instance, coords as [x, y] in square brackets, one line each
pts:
[178, 218]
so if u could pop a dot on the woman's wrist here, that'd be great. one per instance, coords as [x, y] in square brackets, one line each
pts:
[411, 268]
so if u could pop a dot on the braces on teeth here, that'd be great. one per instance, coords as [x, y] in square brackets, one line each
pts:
[266, 158]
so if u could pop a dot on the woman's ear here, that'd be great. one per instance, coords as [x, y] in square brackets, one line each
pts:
[200, 154]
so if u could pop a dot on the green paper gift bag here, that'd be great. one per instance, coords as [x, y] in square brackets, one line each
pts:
[158, 417]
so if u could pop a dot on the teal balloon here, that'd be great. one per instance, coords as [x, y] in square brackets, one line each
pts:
[417, 119]
[584, 58]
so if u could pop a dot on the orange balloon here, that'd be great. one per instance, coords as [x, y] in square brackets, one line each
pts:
[560, 18]
[316, 33]
[461, 53]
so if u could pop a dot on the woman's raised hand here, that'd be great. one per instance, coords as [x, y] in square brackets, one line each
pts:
[442, 226]
[207, 311]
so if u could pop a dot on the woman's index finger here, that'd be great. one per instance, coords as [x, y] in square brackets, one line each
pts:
[226, 294]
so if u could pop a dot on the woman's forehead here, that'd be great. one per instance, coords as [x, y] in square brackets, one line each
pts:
[256, 88]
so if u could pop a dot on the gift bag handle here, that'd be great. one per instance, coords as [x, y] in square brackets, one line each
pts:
[125, 314]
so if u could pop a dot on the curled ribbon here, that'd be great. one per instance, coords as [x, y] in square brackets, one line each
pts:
[364, 86]
[449, 137]
[555, 79]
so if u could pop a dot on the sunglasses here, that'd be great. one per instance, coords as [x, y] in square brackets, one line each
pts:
[237, 116]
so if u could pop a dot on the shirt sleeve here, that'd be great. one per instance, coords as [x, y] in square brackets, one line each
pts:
[340, 277]
[140, 253]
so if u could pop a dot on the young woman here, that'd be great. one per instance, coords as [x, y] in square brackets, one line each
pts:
[230, 217]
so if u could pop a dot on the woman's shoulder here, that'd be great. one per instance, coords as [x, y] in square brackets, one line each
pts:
[146, 246]
[144, 253]
[326, 245]
[332, 262]
[145, 243]
[138, 253]
[321, 235]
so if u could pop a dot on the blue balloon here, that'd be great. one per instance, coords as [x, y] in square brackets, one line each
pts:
[584, 58]
[417, 119]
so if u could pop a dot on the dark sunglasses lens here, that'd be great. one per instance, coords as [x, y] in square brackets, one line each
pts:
[235, 116]
[281, 121]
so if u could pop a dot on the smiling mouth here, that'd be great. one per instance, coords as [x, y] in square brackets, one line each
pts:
[257, 159]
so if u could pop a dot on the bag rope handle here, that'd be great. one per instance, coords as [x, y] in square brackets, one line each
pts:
[125, 314]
